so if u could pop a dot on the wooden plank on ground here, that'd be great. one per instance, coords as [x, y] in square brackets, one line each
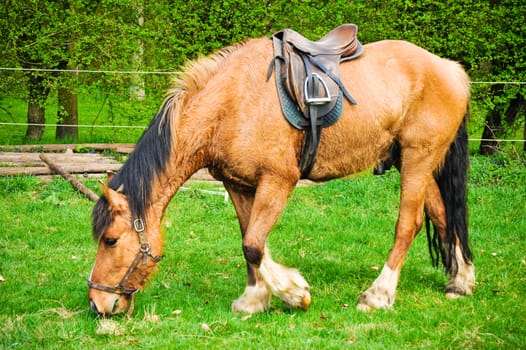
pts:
[19, 163]
[87, 164]
[14, 163]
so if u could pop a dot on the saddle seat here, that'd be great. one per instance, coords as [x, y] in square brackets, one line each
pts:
[341, 41]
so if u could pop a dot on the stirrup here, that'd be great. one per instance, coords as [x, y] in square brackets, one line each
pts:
[316, 100]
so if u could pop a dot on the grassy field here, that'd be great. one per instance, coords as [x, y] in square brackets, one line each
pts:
[337, 234]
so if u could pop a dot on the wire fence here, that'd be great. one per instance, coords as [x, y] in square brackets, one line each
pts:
[77, 125]
[142, 72]
[144, 127]
[51, 70]
[88, 71]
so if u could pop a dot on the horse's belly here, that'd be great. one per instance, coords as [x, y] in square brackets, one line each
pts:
[349, 148]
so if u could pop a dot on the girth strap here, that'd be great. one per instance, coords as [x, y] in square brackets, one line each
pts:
[312, 134]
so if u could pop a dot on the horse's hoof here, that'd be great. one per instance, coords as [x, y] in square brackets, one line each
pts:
[452, 295]
[458, 287]
[454, 291]
[363, 304]
[305, 301]
[254, 299]
[241, 306]
[369, 301]
[363, 307]
[297, 301]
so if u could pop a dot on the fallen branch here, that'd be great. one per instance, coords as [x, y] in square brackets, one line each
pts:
[59, 170]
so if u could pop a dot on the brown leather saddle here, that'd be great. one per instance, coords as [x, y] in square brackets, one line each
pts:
[308, 81]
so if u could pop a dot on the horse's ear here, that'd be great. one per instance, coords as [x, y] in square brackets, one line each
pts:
[116, 199]
[109, 175]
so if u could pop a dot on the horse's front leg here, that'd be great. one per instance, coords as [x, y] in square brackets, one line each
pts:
[414, 179]
[288, 284]
[256, 297]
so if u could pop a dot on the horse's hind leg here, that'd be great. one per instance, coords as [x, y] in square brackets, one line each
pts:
[256, 297]
[462, 279]
[416, 173]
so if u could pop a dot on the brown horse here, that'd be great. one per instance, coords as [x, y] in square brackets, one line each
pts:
[225, 116]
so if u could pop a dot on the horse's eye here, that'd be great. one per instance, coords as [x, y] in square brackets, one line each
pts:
[110, 242]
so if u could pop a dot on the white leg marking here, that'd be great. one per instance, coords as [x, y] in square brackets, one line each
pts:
[286, 283]
[381, 294]
[463, 282]
[254, 299]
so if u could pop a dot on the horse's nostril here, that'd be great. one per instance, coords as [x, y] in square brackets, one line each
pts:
[93, 306]
[115, 306]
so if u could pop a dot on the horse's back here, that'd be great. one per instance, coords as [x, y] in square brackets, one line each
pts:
[399, 87]
[398, 70]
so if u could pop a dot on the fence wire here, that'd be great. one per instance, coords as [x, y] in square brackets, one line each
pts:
[89, 71]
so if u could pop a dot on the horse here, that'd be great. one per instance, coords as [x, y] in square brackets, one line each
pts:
[223, 114]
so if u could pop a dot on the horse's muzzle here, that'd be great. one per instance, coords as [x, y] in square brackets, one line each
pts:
[106, 308]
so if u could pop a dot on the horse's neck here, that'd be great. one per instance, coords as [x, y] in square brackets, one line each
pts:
[178, 171]
[198, 116]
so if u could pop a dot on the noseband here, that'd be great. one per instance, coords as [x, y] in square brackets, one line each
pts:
[143, 254]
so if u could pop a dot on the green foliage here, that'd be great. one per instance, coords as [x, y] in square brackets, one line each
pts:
[18, 184]
[495, 170]
[486, 37]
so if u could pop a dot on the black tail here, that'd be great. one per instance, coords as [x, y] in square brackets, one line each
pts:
[452, 182]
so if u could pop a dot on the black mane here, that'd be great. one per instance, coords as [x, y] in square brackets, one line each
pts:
[153, 150]
[149, 159]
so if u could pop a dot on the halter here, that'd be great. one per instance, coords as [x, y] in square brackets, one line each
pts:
[143, 254]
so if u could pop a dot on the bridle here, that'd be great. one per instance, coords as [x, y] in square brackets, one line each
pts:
[143, 254]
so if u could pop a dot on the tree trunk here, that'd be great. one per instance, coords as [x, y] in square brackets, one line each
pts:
[492, 127]
[516, 109]
[36, 112]
[67, 100]
[67, 127]
[137, 89]
[492, 130]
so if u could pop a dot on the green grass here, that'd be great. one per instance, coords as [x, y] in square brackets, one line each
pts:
[335, 233]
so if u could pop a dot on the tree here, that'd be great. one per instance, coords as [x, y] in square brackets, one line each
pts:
[62, 35]
[25, 45]
[506, 107]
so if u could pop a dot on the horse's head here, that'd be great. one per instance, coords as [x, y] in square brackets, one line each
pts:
[127, 254]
